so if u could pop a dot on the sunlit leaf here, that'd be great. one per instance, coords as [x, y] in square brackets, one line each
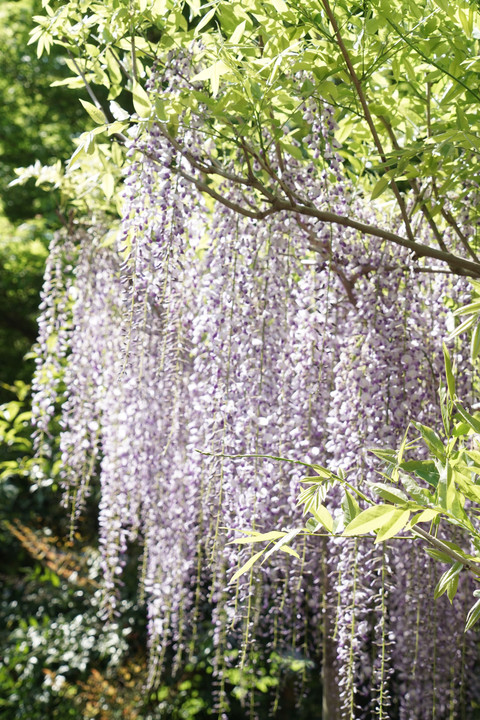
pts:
[473, 615]
[259, 537]
[246, 567]
[446, 578]
[141, 101]
[95, 113]
[322, 515]
[283, 541]
[370, 519]
[350, 507]
[449, 372]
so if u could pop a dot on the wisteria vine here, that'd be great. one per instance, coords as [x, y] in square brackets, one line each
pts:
[206, 330]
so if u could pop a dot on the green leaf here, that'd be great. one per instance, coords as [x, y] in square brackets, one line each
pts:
[475, 456]
[396, 522]
[463, 327]
[424, 469]
[283, 541]
[313, 495]
[473, 615]
[389, 456]
[438, 555]
[258, 537]
[446, 407]
[213, 73]
[472, 421]
[370, 519]
[246, 567]
[425, 516]
[279, 5]
[312, 525]
[452, 588]
[322, 472]
[380, 187]
[446, 578]
[469, 309]
[449, 372]
[431, 439]
[108, 185]
[95, 113]
[80, 150]
[238, 33]
[446, 487]
[389, 493]
[118, 112]
[456, 548]
[141, 101]
[417, 493]
[322, 515]
[205, 20]
[289, 551]
[403, 446]
[475, 343]
[350, 507]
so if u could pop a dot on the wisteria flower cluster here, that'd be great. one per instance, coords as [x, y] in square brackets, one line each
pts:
[205, 335]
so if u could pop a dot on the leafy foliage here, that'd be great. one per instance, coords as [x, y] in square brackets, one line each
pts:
[38, 121]
[404, 111]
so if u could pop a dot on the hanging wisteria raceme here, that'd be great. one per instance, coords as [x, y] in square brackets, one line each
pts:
[261, 397]
[55, 328]
[235, 383]
[93, 347]
[438, 665]
[369, 407]
[386, 375]
[206, 335]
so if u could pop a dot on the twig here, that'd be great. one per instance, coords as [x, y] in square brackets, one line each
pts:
[367, 114]
[444, 548]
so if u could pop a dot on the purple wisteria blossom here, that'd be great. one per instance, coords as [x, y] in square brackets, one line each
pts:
[204, 341]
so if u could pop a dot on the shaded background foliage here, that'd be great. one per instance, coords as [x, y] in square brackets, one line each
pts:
[48, 613]
[36, 125]
[37, 121]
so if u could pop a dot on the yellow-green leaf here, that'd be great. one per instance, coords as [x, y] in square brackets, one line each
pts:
[473, 615]
[321, 472]
[449, 372]
[289, 551]
[95, 113]
[238, 33]
[108, 185]
[475, 345]
[447, 578]
[246, 567]
[259, 537]
[283, 541]
[213, 73]
[379, 188]
[141, 101]
[425, 516]
[322, 516]
[370, 519]
[279, 5]
[205, 20]
[395, 523]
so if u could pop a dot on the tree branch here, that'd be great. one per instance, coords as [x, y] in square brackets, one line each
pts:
[458, 265]
[294, 203]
